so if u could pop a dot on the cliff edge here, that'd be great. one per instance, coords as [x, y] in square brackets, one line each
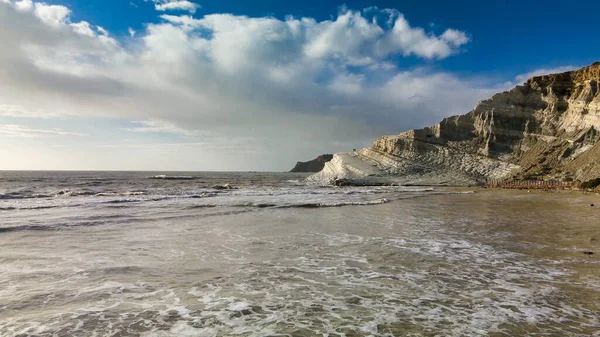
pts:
[546, 129]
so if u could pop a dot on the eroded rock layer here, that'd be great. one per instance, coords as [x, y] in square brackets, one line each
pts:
[547, 129]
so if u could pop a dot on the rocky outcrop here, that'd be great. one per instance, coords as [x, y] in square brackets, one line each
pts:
[547, 129]
[314, 165]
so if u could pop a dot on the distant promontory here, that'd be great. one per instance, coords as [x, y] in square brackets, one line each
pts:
[314, 165]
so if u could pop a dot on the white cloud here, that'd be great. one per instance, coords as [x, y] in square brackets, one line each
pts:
[415, 41]
[349, 36]
[131, 32]
[522, 78]
[83, 28]
[545, 71]
[348, 84]
[19, 111]
[351, 39]
[24, 5]
[278, 90]
[12, 130]
[53, 15]
[438, 95]
[455, 37]
[186, 21]
[102, 31]
[158, 126]
[176, 5]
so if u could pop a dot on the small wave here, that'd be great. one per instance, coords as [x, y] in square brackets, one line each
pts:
[63, 193]
[23, 228]
[120, 194]
[427, 189]
[71, 193]
[163, 176]
[454, 192]
[199, 195]
[337, 204]
[244, 205]
[294, 181]
[19, 195]
[252, 204]
[14, 208]
[200, 206]
[68, 193]
[121, 201]
[52, 227]
[264, 205]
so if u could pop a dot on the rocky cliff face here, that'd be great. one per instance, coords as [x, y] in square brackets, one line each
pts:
[547, 128]
[314, 165]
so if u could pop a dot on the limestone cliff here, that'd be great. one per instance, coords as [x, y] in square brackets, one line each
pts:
[547, 128]
[314, 165]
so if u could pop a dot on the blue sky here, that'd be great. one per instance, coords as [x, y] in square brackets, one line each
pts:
[239, 85]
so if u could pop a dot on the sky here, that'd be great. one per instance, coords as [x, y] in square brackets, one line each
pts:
[190, 85]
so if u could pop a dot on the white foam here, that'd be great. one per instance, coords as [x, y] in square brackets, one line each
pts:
[182, 329]
[239, 306]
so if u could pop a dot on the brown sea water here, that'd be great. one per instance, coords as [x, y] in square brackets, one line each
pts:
[120, 254]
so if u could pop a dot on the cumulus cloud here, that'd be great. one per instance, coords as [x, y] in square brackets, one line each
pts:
[352, 38]
[415, 41]
[176, 5]
[279, 90]
[455, 37]
[53, 15]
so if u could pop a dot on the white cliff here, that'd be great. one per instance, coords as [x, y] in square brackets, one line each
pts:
[547, 128]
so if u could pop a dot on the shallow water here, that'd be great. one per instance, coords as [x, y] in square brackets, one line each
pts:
[119, 254]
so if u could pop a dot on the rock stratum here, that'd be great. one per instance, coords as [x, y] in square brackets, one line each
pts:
[314, 165]
[546, 129]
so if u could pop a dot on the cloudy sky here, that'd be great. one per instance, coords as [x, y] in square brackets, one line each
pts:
[239, 85]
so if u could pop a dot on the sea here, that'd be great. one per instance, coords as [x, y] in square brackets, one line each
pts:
[269, 254]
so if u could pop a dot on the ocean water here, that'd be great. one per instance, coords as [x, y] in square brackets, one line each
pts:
[166, 254]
